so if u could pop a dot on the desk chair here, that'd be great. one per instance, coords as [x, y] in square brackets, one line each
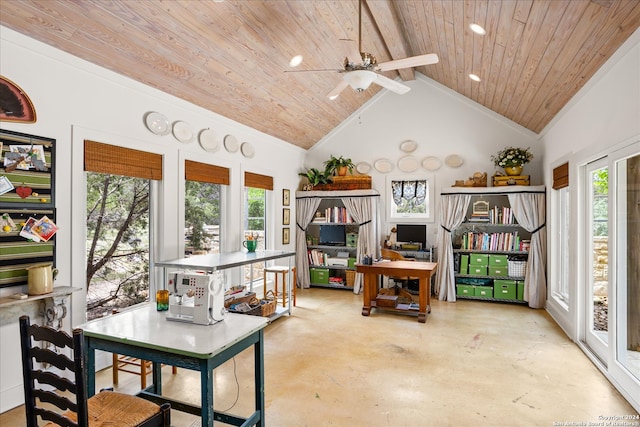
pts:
[397, 290]
[65, 386]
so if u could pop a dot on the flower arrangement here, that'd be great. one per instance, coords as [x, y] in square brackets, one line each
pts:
[511, 156]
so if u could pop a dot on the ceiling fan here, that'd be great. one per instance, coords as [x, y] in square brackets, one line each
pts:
[360, 75]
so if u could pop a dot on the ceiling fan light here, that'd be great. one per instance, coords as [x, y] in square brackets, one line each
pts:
[360, 80]
[295, 61]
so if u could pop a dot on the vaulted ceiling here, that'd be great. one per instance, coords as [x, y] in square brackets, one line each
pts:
[230, 56]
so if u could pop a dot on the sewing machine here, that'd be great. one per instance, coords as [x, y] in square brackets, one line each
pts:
[196, 298]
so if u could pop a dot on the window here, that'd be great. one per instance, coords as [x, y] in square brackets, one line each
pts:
[118, 218]
[255, 217]
[411, 197]
[203, 207]
[561, 282]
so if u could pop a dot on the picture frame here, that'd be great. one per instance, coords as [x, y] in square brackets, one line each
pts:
[286, 197]
[286, 216]
[15, 104]
[285, 236]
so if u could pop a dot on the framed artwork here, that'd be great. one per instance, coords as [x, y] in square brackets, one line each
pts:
[286, 197]
[285, 236]
[15, 105]
[286, 216]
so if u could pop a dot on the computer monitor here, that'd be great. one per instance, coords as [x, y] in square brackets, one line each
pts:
[334, 235]
[412, 233]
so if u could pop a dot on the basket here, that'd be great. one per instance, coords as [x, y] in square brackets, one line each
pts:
[517, 268]
[265, 308]
[352, 182]
[351, 277]
[238, 299]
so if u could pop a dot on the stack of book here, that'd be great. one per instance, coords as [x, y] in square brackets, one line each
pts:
[502, 242]
[317, 257]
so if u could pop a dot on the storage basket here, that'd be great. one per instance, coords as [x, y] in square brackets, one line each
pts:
[351, 277]
[265, 308]
[517, 268]
[351, 182]
[256, 307]
[238, 299]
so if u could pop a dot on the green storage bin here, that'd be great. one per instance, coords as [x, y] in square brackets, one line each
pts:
[319, 276]
[520, 290]
[498, 261]
[478, 269]
[351, 263]
[484, 291]
[504, 289]
[499, 271]
[352, 240]
[465, 290]
[464, 264]
[479, 259]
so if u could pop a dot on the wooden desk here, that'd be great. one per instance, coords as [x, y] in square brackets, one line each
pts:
[144, 333]
[422, 270]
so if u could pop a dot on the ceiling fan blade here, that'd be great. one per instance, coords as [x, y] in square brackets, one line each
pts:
[392, 85]
[413, 61]
[339, 88]
[335, 70]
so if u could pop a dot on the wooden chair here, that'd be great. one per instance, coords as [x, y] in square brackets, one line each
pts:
[65, 386]
[397, 290]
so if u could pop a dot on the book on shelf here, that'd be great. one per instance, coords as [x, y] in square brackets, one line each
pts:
[499, 242]
[335, 214]
[501, 215]
[317, 257]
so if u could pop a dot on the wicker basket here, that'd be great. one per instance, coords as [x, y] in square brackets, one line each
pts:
[517, 268]
[237, 300]
[351, 277]
[352, 182]
[265, 308]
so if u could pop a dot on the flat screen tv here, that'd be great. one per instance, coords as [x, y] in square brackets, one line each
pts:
[412, 233]
[333, 235]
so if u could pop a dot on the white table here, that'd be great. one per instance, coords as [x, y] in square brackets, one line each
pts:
[144, 333]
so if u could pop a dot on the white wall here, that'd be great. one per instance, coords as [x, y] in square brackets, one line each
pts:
[442, 122]
[76, 100]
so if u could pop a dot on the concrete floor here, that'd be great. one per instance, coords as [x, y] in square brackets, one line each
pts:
[472, 363]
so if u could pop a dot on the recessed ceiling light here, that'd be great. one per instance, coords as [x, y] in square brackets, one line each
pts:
[474, 77]
[332, 97]
[295, 61]
[477, 29]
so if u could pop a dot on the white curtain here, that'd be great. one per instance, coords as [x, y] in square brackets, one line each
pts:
[453, 209]
[529, 210]
[362, 212]
[305, 210]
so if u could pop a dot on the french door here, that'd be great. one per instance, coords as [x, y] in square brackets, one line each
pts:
[611, 307]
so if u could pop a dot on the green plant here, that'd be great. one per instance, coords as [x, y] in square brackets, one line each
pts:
[334, 163]
[316, 176]
[511, 156]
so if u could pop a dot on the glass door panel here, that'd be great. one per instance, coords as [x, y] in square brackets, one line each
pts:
[627, 325]
[597, 258]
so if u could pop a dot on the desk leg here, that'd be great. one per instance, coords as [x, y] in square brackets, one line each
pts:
[422, 296]
[369, 283]
[258, 350]
[157, 377]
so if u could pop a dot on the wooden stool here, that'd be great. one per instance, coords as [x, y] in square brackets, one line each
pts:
[280, 269]
[132, 366]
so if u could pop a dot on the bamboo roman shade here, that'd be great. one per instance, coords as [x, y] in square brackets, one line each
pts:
[202, 172]
[105, 158]
[561, 176]
[255, 180]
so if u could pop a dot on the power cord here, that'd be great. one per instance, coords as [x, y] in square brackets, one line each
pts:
[235, 375]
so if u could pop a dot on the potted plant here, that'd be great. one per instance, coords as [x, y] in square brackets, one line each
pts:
[511, 159]
[338, 166]
[316, 176]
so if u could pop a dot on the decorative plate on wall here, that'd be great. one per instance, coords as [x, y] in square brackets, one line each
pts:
[383, 165]
[247, 150]
[182, 131]
[231, 144]
[408, 146]
[208, 140]
[453, 161]
[408, 164]
[157, 123]
[431, 163]
[363, 168]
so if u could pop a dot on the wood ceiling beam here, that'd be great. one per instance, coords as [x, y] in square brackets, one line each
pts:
[386, 19]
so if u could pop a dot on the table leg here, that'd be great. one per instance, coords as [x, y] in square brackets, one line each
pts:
[90, 358]
[156, 374]
[369, 282]
[422, 296]
[258, 350]
[206, 393]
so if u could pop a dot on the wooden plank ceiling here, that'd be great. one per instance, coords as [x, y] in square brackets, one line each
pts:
[230, 56]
